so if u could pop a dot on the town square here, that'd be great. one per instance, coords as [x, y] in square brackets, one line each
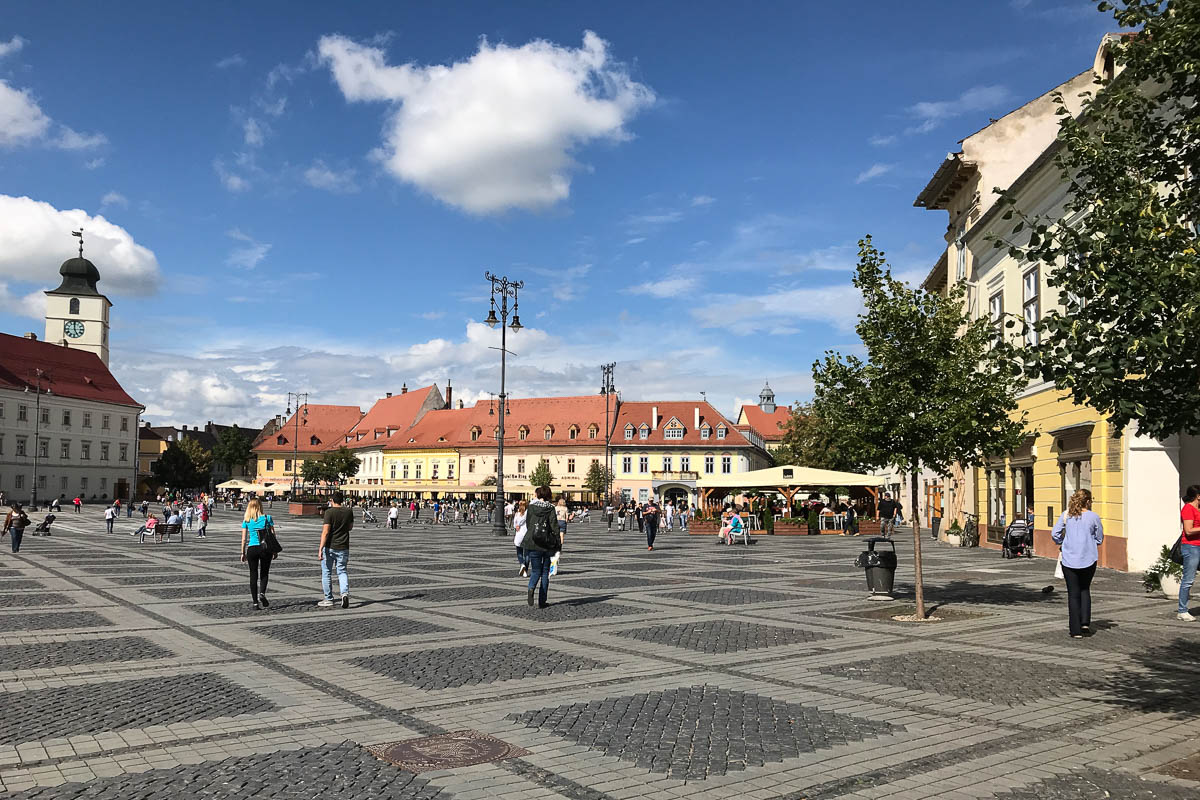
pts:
[536, 400]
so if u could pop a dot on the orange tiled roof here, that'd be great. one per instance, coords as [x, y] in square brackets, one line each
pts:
[452, 427]
[324, 428]
[388, 416]
[639, 413]
[769, 426]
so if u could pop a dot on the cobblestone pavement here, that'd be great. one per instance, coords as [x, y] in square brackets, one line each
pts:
[694, 670]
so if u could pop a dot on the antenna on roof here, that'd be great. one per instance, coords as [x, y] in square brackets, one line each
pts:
[79, 235]
[704, 396]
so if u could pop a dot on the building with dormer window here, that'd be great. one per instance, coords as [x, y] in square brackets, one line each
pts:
[769, 419]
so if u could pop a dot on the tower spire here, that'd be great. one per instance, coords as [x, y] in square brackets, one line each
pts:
[79, 235]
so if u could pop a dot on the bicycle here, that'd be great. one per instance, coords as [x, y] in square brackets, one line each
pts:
[970, 534]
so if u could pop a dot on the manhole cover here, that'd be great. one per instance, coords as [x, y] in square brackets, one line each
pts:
[446, 751]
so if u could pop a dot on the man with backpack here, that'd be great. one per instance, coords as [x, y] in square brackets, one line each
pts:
[541, 542]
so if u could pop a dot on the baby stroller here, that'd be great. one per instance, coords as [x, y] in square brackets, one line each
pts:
[1018, 539]
[369, 518]
[43, 528]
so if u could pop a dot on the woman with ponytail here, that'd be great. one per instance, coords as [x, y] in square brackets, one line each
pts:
[1080, 533]
[1190, 515]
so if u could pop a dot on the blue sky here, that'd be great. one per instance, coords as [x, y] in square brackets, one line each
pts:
[297, 196]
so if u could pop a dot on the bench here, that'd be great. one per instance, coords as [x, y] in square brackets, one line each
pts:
[163, 532]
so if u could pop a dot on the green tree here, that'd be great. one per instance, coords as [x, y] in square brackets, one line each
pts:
[541, 475]
[810, 441]
[315, 471]
[1126, 339]
[201, 459]
[342, 464]
[175, 468]
[936, 387]
[232, 448]
[598, 479]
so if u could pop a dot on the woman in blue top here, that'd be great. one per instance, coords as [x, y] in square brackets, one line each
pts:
[253, 524]
[1080, 533]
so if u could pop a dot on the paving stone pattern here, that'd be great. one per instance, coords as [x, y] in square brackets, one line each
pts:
[1003, 680]
[451, 667]
[689, 663]
[698, 731]
[47, 655]
[722, 636]
[343, 771]
[120, 705]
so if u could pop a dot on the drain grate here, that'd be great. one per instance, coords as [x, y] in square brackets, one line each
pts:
[445, 751]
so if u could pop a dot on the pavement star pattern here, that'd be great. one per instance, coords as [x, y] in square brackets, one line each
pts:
[696, 670]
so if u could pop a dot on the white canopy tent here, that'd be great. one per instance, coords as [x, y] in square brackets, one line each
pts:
[238, 484]
[787, 480]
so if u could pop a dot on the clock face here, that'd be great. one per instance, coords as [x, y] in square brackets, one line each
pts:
[73, 328]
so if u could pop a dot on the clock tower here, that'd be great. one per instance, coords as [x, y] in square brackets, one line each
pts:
[76, 313]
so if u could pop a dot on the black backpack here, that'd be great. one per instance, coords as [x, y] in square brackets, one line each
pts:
[543, 528]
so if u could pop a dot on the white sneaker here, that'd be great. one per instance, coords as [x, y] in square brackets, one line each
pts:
[326, 604]
[1186, 617]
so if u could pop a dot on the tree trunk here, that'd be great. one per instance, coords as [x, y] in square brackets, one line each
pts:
[914, 516]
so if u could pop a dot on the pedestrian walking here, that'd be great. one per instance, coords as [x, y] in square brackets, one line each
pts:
[684, 513]
[563, 514]
[608, 513]
[14, 526]
[110, 516]
[78, 505]
[1080, 533]
[888, 511]
[145, 508]
[393, 516]
[541, 543]
[334, 550]
[520, 523]
[254, 524]
[1190, 545]
[650, 517]
[638, 512]
[189, 514]
[203, 532]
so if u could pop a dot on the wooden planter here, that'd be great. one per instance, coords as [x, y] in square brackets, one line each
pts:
[868, 527]
[703, 528]
[304, 509]
[790, 528]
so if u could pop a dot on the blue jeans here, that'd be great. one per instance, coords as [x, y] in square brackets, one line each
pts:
[1191, 558]
[335, 559]
[521, 555]
[539, 571]
[15, 535]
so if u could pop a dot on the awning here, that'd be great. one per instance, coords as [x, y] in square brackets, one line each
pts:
[787, 476]
[239, 484]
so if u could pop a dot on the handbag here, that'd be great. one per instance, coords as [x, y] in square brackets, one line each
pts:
[268, 539]
[1177, 550]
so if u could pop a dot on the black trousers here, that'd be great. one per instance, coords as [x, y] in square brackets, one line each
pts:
[1079, 597]
[651, 531]
[641, 524]
[259, 561]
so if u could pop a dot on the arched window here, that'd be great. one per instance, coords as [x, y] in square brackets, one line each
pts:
[523, 433]
[592, 431]
[74, 305]
[475, 434]
[548, 434]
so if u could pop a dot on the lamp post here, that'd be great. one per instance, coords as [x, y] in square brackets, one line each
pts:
[503, 288]
[301, 399]
[607, 389]
[38, 376]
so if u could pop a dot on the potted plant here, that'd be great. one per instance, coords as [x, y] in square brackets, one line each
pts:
[954, 534]
[1163, 574]
[814, 522]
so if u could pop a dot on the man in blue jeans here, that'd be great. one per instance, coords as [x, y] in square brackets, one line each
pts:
[541, 524]
[334, 551]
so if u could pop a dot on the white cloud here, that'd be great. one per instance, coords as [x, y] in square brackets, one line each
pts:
[231, 180]
[320, 176]
[252, 132]
[249, 254]
[931, 114]
[498, 130]
[703, 200]
[882, 141]
[21, 119]
[635, 240]
[873, 171]
[32, 305]
[647, 220]
[13, 45]
[95, 163]
[235, 60]
[565, 284]
[114, 199]
[666, 287]
[432, 315]
[69, 139]
[34, 240]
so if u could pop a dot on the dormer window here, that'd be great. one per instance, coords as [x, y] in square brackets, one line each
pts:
[704, 431]
[720, 431]
[644, 431]
[496, 432]
[314, 441]
[592, 431]
[475, 434]
[629, 431]
[278, 440]
[673, 433]
[573, 432]
[523, 433]
[548, 434]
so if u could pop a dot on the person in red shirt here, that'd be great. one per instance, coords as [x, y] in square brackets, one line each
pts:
[1190, 516]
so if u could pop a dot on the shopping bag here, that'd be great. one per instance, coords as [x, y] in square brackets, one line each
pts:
[1058, 573]
[554, 564]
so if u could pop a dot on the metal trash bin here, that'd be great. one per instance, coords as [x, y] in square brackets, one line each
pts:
[880, 566]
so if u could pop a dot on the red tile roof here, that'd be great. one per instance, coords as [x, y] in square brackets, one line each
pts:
[442, 428]
[326, 424]
[639, 413]
[452, 427]
[388, 416]
[769, 426]
[73, 373]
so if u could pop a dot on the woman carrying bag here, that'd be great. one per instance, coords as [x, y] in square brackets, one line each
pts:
[1080, 533]
[259, 548]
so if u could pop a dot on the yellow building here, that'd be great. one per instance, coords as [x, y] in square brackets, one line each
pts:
[308, 433]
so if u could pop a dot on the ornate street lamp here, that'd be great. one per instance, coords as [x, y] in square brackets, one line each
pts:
[607, 389]
[38, 377]
[502, 288]
[301, 399]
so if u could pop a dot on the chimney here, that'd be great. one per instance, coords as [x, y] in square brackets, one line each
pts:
[404, 388]
[696, 424]
[449, 394]
[389, 394]
[31, 336]
[653, 418]
[460, 403]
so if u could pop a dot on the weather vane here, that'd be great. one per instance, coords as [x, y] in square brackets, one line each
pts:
[79, 235]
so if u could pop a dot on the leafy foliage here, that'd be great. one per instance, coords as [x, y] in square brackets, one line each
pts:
[936, 388]
[598, 479]
[177, 468]
[331, 468]
[232, 448]
[810, 441]
[1126, 338]
[541, 475]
